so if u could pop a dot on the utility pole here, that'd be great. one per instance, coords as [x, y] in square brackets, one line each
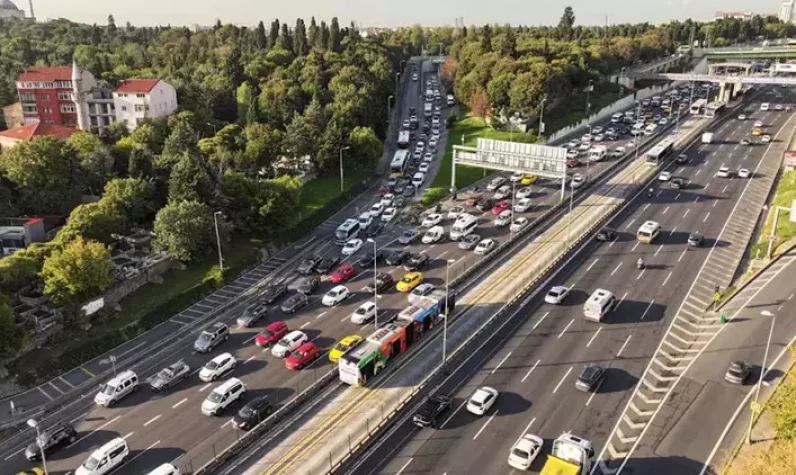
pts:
[342, 187]
[218, 241]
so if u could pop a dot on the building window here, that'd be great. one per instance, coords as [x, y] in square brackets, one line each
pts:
[47, 110]
[124, 108]
[64, 95]
[30, 109]
[140, 95]
[68, 108]
[27, 97]
[44, 97]
[70, 121]
[63, 84]
[49, 122]
[47, 85]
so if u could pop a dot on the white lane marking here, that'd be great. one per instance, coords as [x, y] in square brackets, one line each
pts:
[617, 268]
[595, 336]
[540, 320]
[686, 213]
[594, 392]
[322, 314]
[725, 188]
[79, 417]
[248, 341]
[699, 171]
[405, 465]
[305, 325]
[442, 426]
[706, 217]
[526, 430]
[658, 250]
[226, 423]
[485, 424]
[620, 301]
[666, 279]
[659, 192]
[665, 210]
[673, 231]
[623, 346]
[790, 297]
[179, 403]
[95, 430]
[631, 223]
[249, 359]
[442, 254]
[152, 420]
[645, 207]
[678, 195]
[15, 453]
[566, 328]
[647, 309]
[638, 277]
[634, 247]
[202, 389]
[592, 264]
[562, 380]
[128, 435]
[682, 254]
[530, 371]
[501, 362]
[141, 452]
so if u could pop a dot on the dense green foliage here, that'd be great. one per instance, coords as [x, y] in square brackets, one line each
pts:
[78, 271]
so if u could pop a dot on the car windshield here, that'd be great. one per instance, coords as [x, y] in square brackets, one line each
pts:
[267, 333]
[517, 452]
[214, 397]
[205, 337]
[91, 463]
[108, 390]
[246, 412]
[297, 354]
[475, 402]
[165, 373]
[408, 279]
[211, 365]
[736, 370]
[284, 342]
[555, 292]
[43, 440]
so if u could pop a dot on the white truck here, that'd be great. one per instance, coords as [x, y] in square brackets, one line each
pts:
[571, 455]
[707, 137]
[597, 153]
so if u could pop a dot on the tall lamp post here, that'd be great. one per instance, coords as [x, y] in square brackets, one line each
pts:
[35, 424]
[588, 90]
[389, 108]
[445, 323]
[375, 283]
[773, 317]
[541, 118]
[587, 153]
[342, 188]
[218, 240]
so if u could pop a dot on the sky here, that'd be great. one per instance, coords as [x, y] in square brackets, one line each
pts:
[387, 13]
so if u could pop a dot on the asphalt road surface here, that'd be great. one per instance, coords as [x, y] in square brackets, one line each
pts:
[536, 362]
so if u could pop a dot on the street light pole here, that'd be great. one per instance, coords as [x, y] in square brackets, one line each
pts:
[218, 241]
[773, 317]
[389, 109]
[588, 90]
[342, 188]
[587, 153]
[541, 119]
[511, 222]
[35, 424]
[445, 322]
[375, 284]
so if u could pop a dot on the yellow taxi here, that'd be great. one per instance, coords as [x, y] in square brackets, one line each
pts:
[342, 346]
[528, 179]
[409, 282]
[32, 471]
[757, 131]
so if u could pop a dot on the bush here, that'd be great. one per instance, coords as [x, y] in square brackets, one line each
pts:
[433, 195]
[215, 276]
[307, 223]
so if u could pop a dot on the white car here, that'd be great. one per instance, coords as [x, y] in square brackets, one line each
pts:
[387, 199]
[428, 156]
[744, 173]
[663, 121]
[522, 205]
[525, 451]
[516, 176]
[586, 138]
[573, 144]
[599, 138]
[432, 144]
[485, 246]
[556, 295]
[431, 220]
[765, 139]
[454, 212]
[503, 219]
[364, 220]
[518, 224]
[572, 154]
[217, 367]
[758, 123]
[495, 183]
[423, 168]
[377, 209]
[482, 400]
[577, 181]
[524, 192]
[418, 179]
[502, 193]
[665, 176]
[389, 214]
[617, 152]
[288, 343]
[365, 313]
[724, 172]
[433, 235]
[351, 247]
[584, 147]
[335, 296]
[742, 117]
[597, 129]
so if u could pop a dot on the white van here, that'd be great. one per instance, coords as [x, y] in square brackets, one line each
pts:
[223, 396]
[651, 129]
[616, 118]
[648, 232]
[764, 106]
[597, 153]
[464, 225]
[707, 137]
[105, 459]
[638, 129]
[599, 304]
[165, 469]
[117, 388]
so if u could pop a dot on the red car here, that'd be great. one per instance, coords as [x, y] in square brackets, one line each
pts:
[342, 274]
[573, 163]
[302, 356]
[501, 207]
[272, 333]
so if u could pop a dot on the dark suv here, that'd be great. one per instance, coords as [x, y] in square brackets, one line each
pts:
[308, 265]
[273, 293]
[252, 413]
[51, 440]
[590, 378]
[606, 234]
[429, 412]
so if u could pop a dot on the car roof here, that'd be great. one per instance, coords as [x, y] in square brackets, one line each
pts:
[481, 394]
[276, 325]
[295, 334]
[589, 371]
[222, 356]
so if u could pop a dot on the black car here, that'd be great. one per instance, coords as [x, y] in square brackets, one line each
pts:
[327, 264]
[308, 265]
[295, 302]
[375, 228]
[273, 293]
[485, 204]
[398, 201]
[412, 111]
[396, 258]
[695, 239]
[399, 189]
[409, 236]
[416, 262]
[606, 234]
[252, 314]
[369, 258]
[738, 372]
[677, 183]
[383, 283]
[590, 378]
[51, 439]
[308, 284]
[255, 411]
[409, 191]
[429, 412]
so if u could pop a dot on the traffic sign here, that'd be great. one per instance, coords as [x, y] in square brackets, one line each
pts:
[717, 296]
[756, 407]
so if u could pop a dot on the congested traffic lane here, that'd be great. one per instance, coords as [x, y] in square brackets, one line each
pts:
[536, 366]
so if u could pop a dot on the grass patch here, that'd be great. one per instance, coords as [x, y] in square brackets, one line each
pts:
[786, 193]
[319, 191]
[575, 111]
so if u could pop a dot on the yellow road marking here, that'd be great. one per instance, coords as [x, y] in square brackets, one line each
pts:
[87, 372]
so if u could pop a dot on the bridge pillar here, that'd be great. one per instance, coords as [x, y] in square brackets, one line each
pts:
[722, 91]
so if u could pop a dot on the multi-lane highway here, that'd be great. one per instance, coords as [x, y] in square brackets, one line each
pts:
[536, 362]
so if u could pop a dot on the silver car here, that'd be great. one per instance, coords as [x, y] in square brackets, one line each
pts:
[169, 377]
[468, 242]
[211, 338]
[252, 315]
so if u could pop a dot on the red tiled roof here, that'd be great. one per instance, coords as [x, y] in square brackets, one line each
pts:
[137, 85]
[37, 73]
[39, 129]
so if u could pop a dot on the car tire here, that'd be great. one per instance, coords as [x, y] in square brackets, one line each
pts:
[135, 388]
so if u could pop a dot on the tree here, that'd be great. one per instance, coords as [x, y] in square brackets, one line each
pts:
[285, 40]
[93, 221]
[140, 162]
[300, 38]
[509, 46]
[181, 140]
[323, 37]
[95, 159]
[131, 196]
[260, 40]
[18, 270]
[189, 180]
[366, 147]
[79, 271]
[479, 105]
[334, 36]
[12, 336]
[263, 206]
[111, 26]
[498, 91]
[247, 105]
[273, 34]
[185, 230]
[263, 146]
[486, 38]
[312, 34]
[566, 23]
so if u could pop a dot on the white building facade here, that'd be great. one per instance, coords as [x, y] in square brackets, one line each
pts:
[138, 99]
[786, 11]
